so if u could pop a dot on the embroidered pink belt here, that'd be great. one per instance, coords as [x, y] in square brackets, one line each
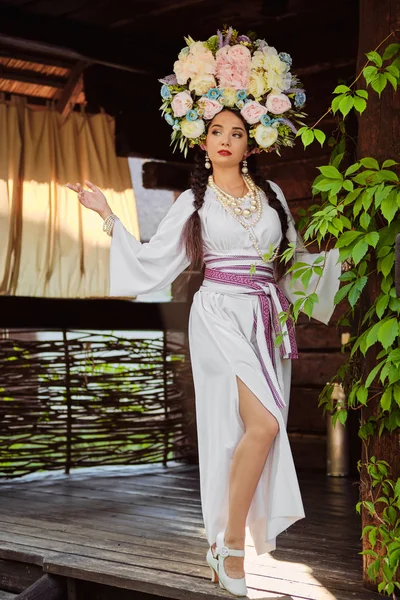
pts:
[235, 271]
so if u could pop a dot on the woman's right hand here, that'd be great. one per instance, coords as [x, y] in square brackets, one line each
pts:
[94, 199]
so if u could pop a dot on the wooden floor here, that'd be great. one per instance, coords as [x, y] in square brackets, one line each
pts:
[141, 529]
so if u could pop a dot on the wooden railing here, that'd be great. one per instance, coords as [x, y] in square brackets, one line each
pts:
[73, 398]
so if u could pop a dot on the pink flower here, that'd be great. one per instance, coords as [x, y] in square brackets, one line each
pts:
[253, 111]
[210, 107]
[181, 104]
[233, 67]
[278, 103]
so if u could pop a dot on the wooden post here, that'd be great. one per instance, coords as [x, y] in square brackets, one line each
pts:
[379, 137]
[69, 405]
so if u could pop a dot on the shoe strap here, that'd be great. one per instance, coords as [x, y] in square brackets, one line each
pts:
[224, 551]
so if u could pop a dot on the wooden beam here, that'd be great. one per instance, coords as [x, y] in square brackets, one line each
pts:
[72, 89]
[35, 57]
[47, 588]
[67, 39]
[30, 76]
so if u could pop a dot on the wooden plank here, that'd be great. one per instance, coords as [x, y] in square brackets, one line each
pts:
[72, 89]
[47, 587]
[30, 76]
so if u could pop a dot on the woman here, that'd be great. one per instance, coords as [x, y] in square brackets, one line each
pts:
[242, 380]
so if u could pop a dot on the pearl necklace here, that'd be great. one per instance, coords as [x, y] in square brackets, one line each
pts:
[231, 206]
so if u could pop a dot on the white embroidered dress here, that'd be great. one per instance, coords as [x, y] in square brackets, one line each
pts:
[227, 340]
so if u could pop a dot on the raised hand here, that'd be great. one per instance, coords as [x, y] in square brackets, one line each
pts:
[94, 199]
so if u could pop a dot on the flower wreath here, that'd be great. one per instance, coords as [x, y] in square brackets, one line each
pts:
[240, 73]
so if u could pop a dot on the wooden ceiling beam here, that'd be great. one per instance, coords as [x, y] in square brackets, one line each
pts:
[67, 40]
[72, 89]
[30, 76]
[25, 56]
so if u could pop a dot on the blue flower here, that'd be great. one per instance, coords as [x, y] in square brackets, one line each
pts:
[176, 125]
[241, 94]
[266, 120]
[239, 104]
[286, 58]
[300, 99]
[213, 93]
[169, 118]
[165, 93]
[192, 115]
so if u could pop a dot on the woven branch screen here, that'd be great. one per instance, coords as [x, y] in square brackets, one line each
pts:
[90, 400]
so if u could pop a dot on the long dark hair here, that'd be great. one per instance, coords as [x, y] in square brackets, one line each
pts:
[191, 234]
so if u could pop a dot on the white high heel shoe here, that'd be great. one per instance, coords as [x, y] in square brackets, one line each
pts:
[237, 587]
[213, 564]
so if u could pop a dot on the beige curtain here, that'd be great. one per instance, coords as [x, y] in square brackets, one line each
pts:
[50, 245]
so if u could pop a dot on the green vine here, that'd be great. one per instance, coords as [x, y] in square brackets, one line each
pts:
[359, 213]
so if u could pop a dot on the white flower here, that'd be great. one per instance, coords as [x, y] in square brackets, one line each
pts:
[202, 83]
[258, 85]
[257, 60]
[265, 136]
[192, 129]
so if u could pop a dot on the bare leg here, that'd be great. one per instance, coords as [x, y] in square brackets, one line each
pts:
[261, 428]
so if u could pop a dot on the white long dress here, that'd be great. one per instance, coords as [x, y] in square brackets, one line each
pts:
[227, 340]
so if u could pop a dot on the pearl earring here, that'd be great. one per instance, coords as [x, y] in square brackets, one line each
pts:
[207, 163]
[245, 170]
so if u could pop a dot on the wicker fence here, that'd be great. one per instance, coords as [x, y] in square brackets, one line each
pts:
[89, 399]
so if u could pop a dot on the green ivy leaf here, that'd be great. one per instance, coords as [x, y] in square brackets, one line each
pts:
[320, 136]
[360, 104]
[369, 73]
[381, 193]
[307, 137]
[370, 163]
[330, 172]
[372, 238]
[391, 51]
[379, 83]
[342, 293]
[346, 104]
[356, 290]
[365, 220]
[374, 57]
[388, 332]
[373, 374]
[386, 265]
[381, 305]
[348, 185]
[341, 89]
[386, 399]
[335, 104]
[362, 94]
[391, 79]
[389, 163]
[389, 206]
[348, 238]
[359, 251]
[362, 395]
[352, 169]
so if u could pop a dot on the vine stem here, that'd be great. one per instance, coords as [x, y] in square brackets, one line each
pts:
[392, 33]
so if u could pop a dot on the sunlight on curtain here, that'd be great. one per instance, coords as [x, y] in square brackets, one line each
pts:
[53, 246]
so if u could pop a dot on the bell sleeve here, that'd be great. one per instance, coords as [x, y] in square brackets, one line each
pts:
[140, 268]
[326, 285]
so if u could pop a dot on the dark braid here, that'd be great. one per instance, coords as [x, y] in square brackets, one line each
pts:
[280, 267]
[191, 234]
